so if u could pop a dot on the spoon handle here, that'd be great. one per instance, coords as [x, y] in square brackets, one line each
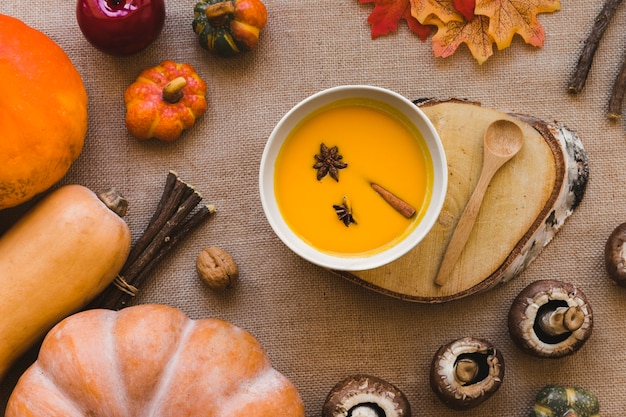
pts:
[465, 225]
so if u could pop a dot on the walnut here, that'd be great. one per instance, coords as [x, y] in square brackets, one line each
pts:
[217, 268]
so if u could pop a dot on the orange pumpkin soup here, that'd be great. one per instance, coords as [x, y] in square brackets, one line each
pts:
[378, 145]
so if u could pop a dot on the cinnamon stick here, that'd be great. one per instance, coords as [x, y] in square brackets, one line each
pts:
[394, 201]
[579, 77]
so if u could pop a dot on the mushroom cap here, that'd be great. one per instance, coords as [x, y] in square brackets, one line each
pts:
[381, 398]
[528, 304]
[615, 255]
[461, 395]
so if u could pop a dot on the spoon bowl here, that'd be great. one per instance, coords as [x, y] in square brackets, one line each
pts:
[503, 138]
[502, 141]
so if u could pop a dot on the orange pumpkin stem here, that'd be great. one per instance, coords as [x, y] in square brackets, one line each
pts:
[219, 13]
[173, 91]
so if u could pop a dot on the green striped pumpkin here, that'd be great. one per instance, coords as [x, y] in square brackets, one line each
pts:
[227, 27]
[558, 401]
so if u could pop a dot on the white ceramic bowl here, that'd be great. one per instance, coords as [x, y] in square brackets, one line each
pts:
[352, 262]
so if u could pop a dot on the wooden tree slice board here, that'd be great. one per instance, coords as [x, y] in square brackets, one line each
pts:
[527, 202]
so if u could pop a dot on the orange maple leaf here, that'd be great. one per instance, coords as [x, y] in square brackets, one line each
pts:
[435, 12]
[508, 17]
[474, 34]
[494, 21]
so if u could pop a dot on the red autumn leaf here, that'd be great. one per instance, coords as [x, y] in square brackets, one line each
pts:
[388, 13]
[423, 31]
[466, 8]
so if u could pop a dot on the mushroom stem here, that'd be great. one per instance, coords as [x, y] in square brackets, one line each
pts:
[562, 320]
[466, 370]
[364, 411]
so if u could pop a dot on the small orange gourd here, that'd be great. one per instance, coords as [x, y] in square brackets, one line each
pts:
[43, 112]
[151, 360]
[164, 100]
[63, 252]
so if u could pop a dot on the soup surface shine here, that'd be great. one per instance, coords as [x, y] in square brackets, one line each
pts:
[379, 145]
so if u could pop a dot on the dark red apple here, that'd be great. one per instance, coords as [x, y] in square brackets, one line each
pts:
[120, 27]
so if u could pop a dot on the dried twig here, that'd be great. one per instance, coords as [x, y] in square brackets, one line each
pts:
[579, 77]
[617, 93]
[170, 200]
[173, 220]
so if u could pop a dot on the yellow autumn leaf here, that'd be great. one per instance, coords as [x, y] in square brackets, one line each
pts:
[494, 21]
[474, 34]
[508, 17]
[429, 12]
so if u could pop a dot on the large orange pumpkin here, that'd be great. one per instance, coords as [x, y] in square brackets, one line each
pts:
[151, 360]
[43, 112]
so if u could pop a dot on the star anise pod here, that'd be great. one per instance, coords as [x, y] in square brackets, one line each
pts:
[344, 212]
[328, 162]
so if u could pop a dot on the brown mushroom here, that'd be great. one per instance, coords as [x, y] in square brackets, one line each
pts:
[550, 319]
[615, 255]
[365, 396]
[466, 372]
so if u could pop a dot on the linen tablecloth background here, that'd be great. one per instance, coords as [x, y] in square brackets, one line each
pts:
[316, 327]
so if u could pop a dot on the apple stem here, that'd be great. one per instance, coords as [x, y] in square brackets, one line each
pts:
[219, 13]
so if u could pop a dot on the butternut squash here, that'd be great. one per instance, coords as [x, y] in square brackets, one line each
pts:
[53, 261]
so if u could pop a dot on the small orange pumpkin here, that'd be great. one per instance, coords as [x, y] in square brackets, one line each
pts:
[43, 112]
[164, 101]
[151, 360]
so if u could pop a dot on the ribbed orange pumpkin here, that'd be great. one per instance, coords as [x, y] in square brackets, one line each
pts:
[164, 100]
[151, 360]
[43, 112]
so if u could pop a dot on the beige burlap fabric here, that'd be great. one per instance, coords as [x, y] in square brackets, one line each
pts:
[318, 328]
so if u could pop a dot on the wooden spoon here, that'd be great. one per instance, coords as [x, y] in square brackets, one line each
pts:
[503, 139]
